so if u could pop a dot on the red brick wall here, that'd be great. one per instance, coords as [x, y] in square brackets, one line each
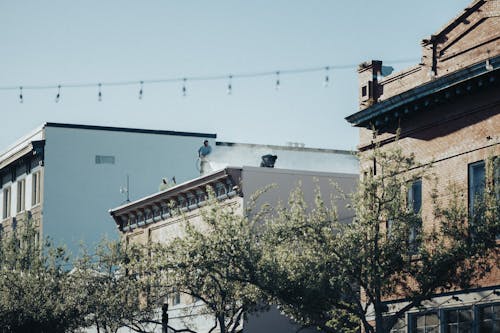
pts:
[462, 130]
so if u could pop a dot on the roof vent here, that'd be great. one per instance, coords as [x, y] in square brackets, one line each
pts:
[268, 161]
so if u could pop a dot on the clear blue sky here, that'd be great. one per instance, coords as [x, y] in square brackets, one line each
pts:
[55, 41]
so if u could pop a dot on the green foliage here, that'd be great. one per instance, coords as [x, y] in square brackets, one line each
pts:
[115, 288]
[315, 266]
[42, 291]
[201, 262]
[34, 285]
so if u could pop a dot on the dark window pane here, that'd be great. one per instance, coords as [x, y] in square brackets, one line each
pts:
[465, 315]
[451, 316]
[477, 176]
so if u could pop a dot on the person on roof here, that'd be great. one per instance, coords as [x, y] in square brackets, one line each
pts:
[203, 152]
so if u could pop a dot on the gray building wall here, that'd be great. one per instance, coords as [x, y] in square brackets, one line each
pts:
[285, 181]
[78, 192]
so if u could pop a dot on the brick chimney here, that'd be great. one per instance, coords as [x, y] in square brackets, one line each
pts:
[369, 92]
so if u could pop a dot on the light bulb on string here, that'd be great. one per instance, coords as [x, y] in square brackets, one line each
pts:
[184, 89]
[140, 89]
[326, 82]
[21, 99]
[229, 85]
[58, 96]
[277, 84]
[99, 95]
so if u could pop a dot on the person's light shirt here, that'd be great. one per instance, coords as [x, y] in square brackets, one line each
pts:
[204, 150]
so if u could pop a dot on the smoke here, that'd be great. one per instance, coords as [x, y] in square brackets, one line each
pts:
[238, 155]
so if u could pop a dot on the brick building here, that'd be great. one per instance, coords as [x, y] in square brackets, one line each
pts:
[447, 109]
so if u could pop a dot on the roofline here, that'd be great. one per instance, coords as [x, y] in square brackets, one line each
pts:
[202, 180]
[130, 130]
[363, 117]
[214, 176]
[29, 148]
[457, 19]
[20, 143]
[301, 172]
[255, 145]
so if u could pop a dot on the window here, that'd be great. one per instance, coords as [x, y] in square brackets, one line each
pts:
[6, 203]
[426, 323]
[477, 175]
[104, 159]
[489, 317]
[35, 188]
[21, 195]
[458, 321]
[414, 200]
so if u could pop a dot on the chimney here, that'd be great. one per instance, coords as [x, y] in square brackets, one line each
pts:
[268, 161]
[369, 92]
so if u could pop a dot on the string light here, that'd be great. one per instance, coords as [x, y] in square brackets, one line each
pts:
[229, 85]
[140, 89]
[326, 82]
[184, 89]
[58, 96]
[227, 78]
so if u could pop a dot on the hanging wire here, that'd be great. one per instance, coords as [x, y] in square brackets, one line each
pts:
[58, 96]
[21, 100]
[184, 89]
[229, 85]
[140, 89]
[99, 95]
[277, 84]
[203, 78]
[326, 82]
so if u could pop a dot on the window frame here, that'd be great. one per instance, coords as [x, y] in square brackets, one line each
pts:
[6, 202]
[445, 323]
[472, 191]
[21, 196]
[478, 314]
[36, 188]
[410, 203]
[413, 317]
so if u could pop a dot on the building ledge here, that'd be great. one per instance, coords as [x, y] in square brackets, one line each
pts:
[387, 113]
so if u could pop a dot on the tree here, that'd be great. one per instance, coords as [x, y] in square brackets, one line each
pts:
[325, 273]
[200, 262]
[34, 284]
[116, 288]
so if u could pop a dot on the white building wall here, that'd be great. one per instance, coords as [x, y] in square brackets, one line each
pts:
[78, 192]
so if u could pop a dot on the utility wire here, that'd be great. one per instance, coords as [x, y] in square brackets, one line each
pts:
[196, 78]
